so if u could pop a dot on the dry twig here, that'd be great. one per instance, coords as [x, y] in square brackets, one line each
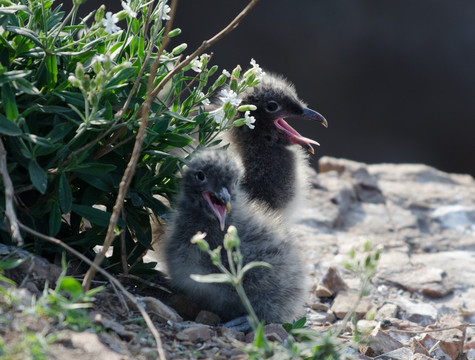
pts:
[9, 209]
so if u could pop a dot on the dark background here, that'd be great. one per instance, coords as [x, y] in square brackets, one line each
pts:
[395, 79]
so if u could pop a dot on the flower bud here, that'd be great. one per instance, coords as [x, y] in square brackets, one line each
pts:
[199, 239]
[97, 67]
[231, 239]
[212, 70]
[79, 71]
[233, 84]
[100, 13]
[239, 122]
[174, 32]
[74, 81]
[179, 49]
[78, 2]
[215, 255]
[247, 107]
[236, 72]
[220, 81]
[121, 15]
[86, 82]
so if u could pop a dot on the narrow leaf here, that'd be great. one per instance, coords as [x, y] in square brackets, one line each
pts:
[94, 215]
[7, 127]
[37, 176]
[65, 194]
[54, 219]
[210, 278]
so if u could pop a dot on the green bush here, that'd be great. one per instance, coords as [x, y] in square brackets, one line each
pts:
[72, 92]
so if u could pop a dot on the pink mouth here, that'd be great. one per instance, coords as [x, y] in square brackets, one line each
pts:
[218, 208]
[294, 136]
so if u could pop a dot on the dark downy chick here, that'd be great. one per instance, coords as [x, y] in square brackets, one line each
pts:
[210, 201]
[273, 168]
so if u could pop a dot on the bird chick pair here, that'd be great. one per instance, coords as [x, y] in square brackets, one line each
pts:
[252, 194]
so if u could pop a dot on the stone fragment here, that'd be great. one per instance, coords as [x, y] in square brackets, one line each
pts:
[421, 357]
[379, 342]
[333, 281]
[273, 332]
[417, 347]
[402, 353]
[195, 333]
[421, 313]
[230, 333]
[110, 324]
[321, 317]
[387, 311]
[366, 326]
[346, 301]
[207, 318]
[322, 292]
[318, 306]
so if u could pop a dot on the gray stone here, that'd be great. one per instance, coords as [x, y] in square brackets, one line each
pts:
[398, 354]
[421, 313]
[387, 311]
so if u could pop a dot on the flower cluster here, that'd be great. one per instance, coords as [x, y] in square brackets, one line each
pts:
[231, 103]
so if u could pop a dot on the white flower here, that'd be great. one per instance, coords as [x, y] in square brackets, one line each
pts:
[127, 8]
[197, 64]
[100, 58]
[249, 120]
[257, 69]
[226, 73]
[229, 96]
[218, 115]
[205, 101]
[166, 10]
[110, 23]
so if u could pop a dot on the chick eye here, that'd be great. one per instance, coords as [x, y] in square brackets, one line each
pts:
[272, 106]
[200, 175]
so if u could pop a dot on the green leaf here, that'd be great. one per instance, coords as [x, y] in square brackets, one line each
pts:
[71, 285]
[37, 176]
[94, 215]
[8, 101]
[211, 278]
[54, 219]
[52, 73]
[300, 323]
[7, 127]
[13, 9]
[94, 168]
[26, 33]
[176, 140]
[65, 194]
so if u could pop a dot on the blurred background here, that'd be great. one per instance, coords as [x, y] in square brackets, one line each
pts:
[395, 79]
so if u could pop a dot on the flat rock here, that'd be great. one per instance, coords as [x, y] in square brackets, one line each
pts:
[346, 301]
[195, 333]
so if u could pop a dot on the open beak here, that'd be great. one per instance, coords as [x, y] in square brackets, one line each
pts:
[294, 136]
[220, 204]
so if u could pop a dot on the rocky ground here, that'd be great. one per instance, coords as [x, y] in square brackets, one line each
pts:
[425, 280]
